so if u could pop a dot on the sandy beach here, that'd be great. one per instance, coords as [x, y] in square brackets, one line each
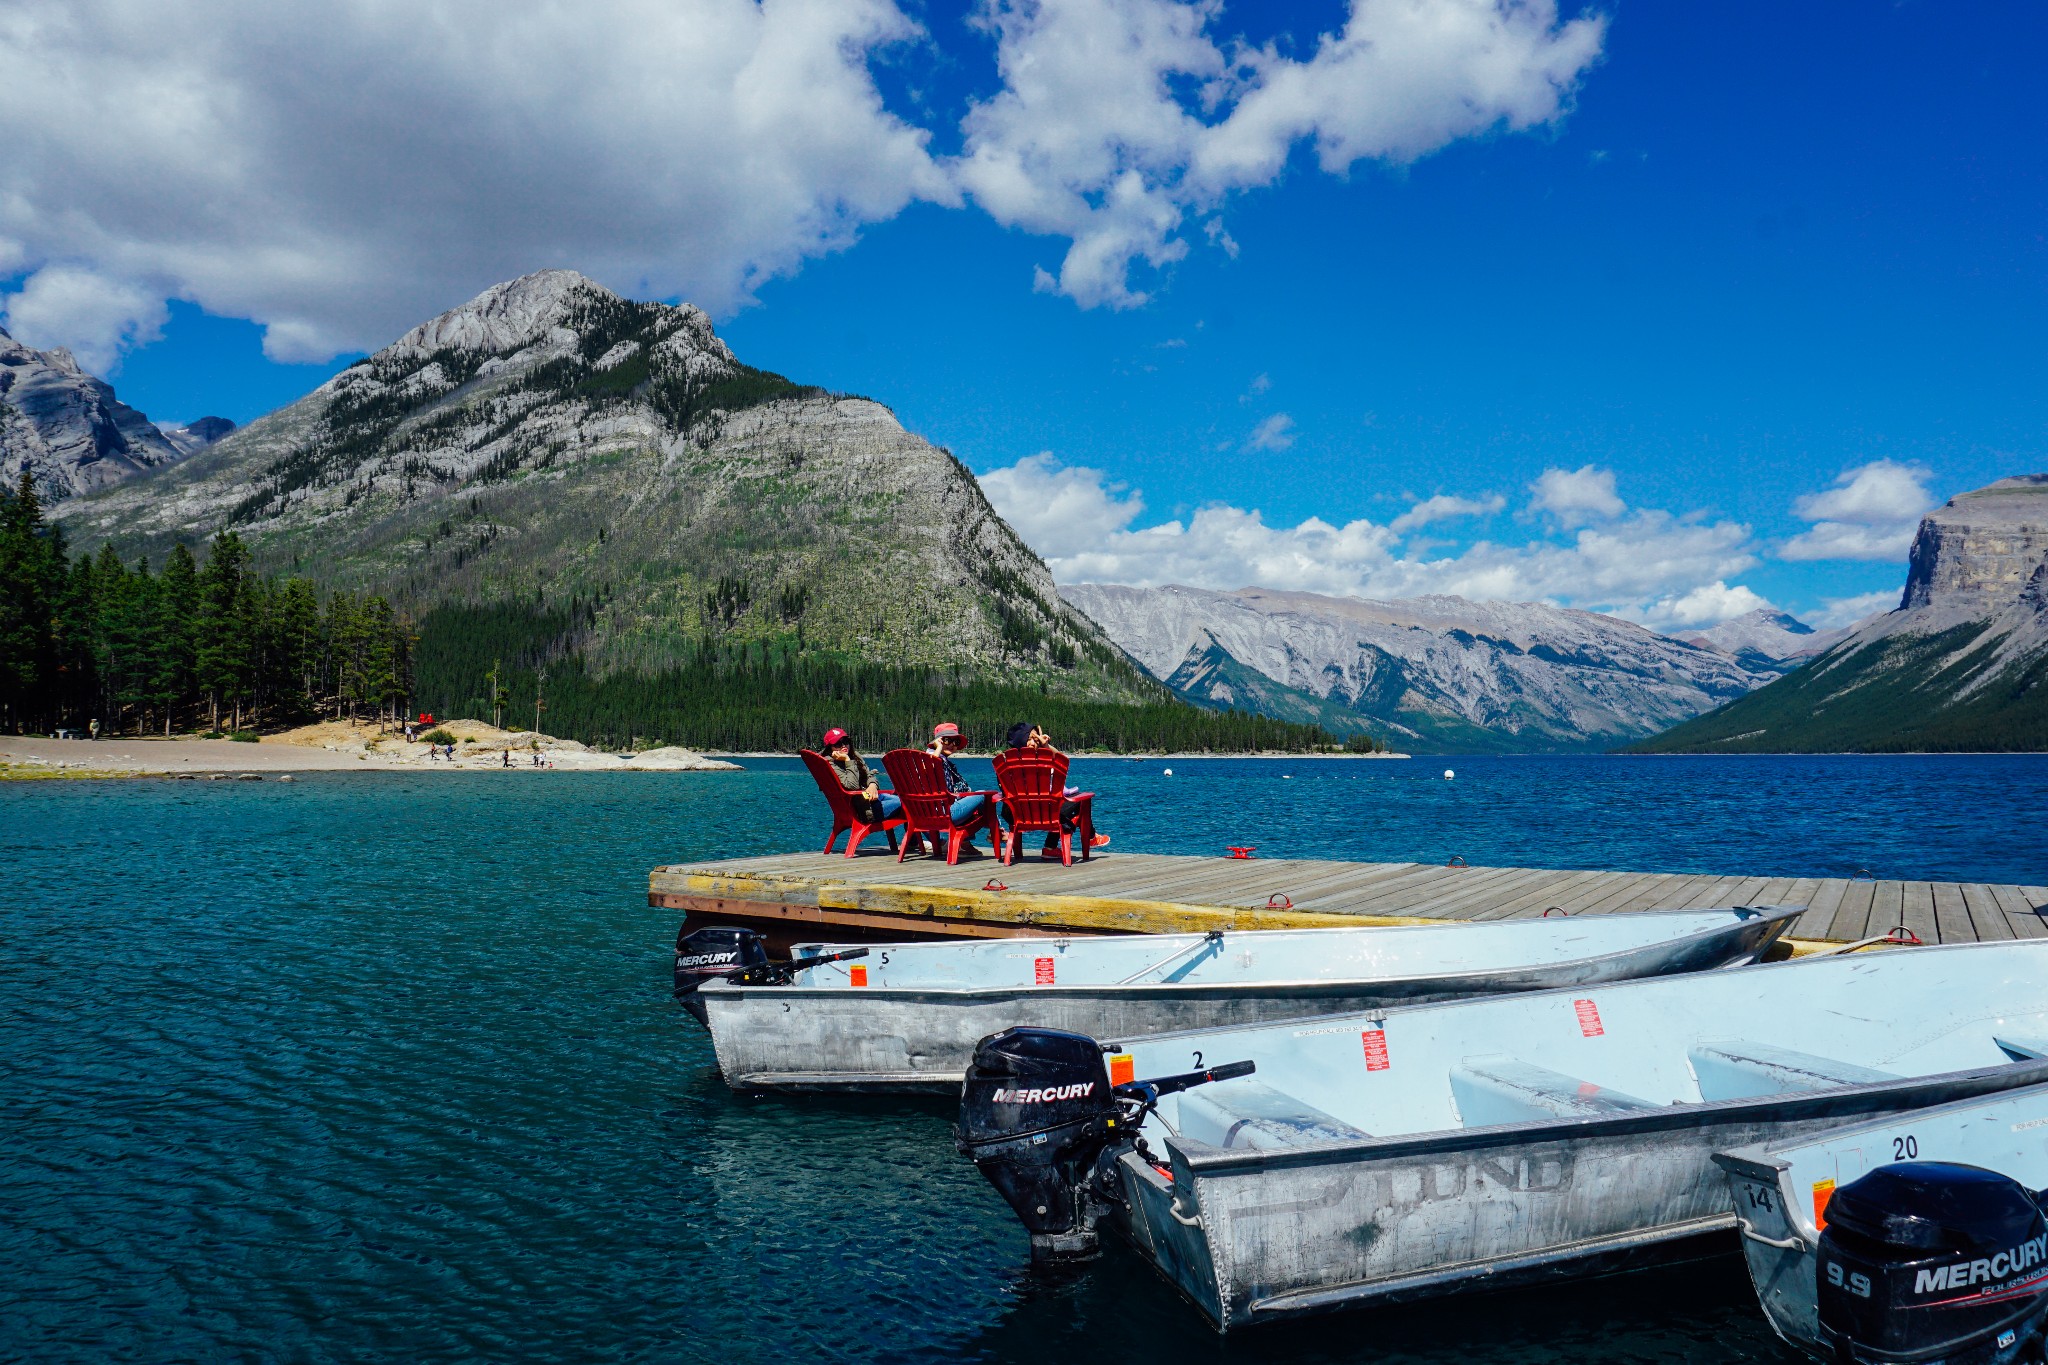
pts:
[332, 747]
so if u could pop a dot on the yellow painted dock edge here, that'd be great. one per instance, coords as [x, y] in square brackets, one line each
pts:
[1026, 910]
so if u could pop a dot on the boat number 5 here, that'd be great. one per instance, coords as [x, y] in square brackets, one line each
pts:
[1859, 1285]
[1905, 1148]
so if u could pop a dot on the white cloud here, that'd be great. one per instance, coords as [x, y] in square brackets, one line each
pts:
[1577, 496]
[1274, 433]
[1119, 118]
[1444, 507]
[1261, 383]
[1847, 611]
[97, 318]
[1083, 528]
[1699, 608]
[1871, 513]
[337, 172]
[340, 171]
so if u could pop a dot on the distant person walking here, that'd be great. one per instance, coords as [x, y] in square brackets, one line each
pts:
[94, 729]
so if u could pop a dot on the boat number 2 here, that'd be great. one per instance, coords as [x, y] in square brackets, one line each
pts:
[1859, 1285]
[1905, 1148]
[1198, 1061]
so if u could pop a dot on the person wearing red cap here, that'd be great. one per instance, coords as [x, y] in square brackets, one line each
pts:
[870, 802]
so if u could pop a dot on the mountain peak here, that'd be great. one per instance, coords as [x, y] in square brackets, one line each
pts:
[65, 428]
[506, 317]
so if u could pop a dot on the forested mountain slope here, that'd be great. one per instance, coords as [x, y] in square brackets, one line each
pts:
[1962, 664]
[550, 442]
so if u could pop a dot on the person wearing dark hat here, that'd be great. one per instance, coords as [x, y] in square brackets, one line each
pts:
[1073, 814]
[870, 802]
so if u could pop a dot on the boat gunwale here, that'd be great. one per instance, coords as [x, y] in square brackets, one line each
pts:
[1202, 1159]
[1773, 920]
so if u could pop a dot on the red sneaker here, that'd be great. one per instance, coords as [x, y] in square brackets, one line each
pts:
[1097, 841]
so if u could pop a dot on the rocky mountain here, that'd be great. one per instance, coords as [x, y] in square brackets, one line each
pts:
[1766, 640]
[1426, 673]
[67, 429]
[550, 442]
[192, 437]
[1961, 664]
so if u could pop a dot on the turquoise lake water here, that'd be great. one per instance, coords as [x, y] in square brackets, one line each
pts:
[371, 1067]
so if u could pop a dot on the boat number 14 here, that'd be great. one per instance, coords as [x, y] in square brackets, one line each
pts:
[1905, 1148]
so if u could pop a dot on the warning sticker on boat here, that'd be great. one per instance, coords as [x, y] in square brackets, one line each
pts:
[1589, 1018]
[860, 973]
[1823, 1190]
[1041, 970]
[1375, 1049]
[1123, 1069]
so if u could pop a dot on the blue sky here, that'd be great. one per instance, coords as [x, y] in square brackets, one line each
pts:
[1760, 269]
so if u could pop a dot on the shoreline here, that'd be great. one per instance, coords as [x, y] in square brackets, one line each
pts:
[26, 758]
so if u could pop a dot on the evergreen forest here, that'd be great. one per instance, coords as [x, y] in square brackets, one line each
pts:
[210, 644]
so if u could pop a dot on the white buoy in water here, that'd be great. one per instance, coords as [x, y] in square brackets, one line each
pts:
[1169, 772]
[1448, 774]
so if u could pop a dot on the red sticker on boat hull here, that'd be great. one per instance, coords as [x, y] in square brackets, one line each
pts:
[1589, 1018]
[1376, 1049]
[1041, 970]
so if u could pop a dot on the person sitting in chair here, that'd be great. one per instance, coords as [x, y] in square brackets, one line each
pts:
[1027, 735]
[870, 802]
[947, 741]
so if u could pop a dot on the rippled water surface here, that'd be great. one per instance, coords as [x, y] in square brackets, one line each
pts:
[381, 1067]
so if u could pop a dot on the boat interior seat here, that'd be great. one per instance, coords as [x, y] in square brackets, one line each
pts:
[2023, 1049]
[1504, 1089]
[1738, 1069]
[1244, 1114]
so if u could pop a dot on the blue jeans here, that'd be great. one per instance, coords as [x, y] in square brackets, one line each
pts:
[965, 808]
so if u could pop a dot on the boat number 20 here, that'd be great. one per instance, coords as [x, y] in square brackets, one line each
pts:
[1905, 1148]
[1859, 1285]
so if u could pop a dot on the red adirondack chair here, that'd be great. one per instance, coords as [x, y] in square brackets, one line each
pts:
[920, 780]
[844, 818]
[1033, 783]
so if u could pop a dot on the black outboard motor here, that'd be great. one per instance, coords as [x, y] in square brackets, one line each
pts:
[723, 953]
[1040, 1119]
[1933, 1263]
[713, 954]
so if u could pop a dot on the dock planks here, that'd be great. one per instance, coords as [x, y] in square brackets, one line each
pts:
[809, 895]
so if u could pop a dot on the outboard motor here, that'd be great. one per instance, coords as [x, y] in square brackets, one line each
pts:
[713, 954]
[723, 953]
[1933, 1263]
[1040, 1119]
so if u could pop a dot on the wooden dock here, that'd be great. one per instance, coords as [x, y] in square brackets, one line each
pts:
[793, 897]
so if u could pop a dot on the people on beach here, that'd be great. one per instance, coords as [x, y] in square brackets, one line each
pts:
[1074, 814]
[870, 802]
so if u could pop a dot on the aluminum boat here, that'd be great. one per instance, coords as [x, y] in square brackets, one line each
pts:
[1782, 1193]
[907, 1016]
[1483, 1143]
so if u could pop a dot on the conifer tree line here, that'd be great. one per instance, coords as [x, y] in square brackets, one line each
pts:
[192, 644]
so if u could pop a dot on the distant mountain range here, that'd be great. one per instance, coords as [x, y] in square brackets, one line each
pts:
[1961, 664]
[1438, 673]
[550, 442]
[1767, 640]
[67, 430]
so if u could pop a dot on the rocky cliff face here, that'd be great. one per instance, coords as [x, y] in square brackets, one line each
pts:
[1961, 664]
[192, 437]
[550, 439]
[1430, 672]
[67, 429]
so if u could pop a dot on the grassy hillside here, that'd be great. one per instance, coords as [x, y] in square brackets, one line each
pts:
[1893, 696]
